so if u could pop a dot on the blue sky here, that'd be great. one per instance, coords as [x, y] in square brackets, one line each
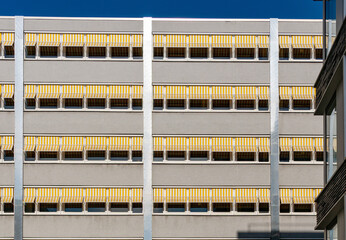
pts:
[305, 9]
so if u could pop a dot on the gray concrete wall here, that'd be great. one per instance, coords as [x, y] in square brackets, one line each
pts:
[6, 226]
[301, 175]
[6, 24]
[7, 122]
[7, 71]
[299, 73]
[300, 27]
[298, 223]
[300, 124]
[6, 174]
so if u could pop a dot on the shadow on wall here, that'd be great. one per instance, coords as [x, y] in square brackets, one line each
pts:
[317, 235]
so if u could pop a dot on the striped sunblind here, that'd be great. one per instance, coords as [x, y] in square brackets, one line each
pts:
[199, 92]
[119, 91]
[221, 41]
[96, 40]
[284, 41]
[48, 91]
[222, 144]
[96, 143]
[263, 93]
[137, 195]
[119, 40]
[319, 144]
[137, 91]
[29, 195]
[48, 144]
[220, 195]
[72, 91]
[318, 42]
[74, 40]
[158, 92]
[285, 144]
[199, 195]
[285, 93]
[158, 195]
[245, 41]
[199, 144]
[176, 143]
[246, 195]
[303, 195]
[264, 144]
[302, 144]
[29, 91]
[176, 92]
[176, 195]
[285, 195]
[7, 142]
[7, 39]
[29, 143]
[95, 195]
[72, 144]
[96, 91]
[245, 92]
[47, 195]
[159, 142]
[159, 40]
[30, 39]
[302, 42]
[221, 92]
[264, 195]
[137, 143]
[317, 192]
[303, 92]
[7, 195]
[176, 40]
[48, 39]
[72, 195]
[199, 40]
[119, 195]
[119, 143]
[137, 40]
[7, 91]
[245, 144]
[263, 41]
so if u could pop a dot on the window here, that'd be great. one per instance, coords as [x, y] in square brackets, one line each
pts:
[284, 53]
[284, 105]
[137, 52]
[29, 207]
[30, 103]
[284, 156]
[221, 156]
[175, 104]
[319, 156]
[158, 104]
[199, 104]
[301, 53]
[284, 208]
[176, 52]
[48, 103]
[96, 155]
[74, 52]
[137, 207]
[263, 207]
[263, 53]
[137, 156]
[120, 52]
[246, 207]
[158, 52]
[302, 207]
[302, 156]
[222, 207]
[48, 207]
[96, 103]
[198, 207]
[263, 157]
[319, 54]
[97, 52]
[245, 53]
[221, 53]
[30, 52]
[73, 156]
[245, 104]
[119, 155]
[301, 104]
[175, 207]
[8, 155]
[30, 156]
[137, 104]
[8, 207]
[8, 103]
[119, 103]
[245, 156]
[158, 208]
[199, 155]
[119, 207]
[158, 156]
[198, 52]
[48, 155]
[49, 52]
[263, 105]
[9, 51]
[73, 103]
[96, 206]
[73, 207]
[176, 155]
[221, 104]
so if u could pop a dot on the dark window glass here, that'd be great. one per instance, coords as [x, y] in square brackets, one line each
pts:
[284, 54]
[176, 52]
[263, 105]
[96, 103]
[221, 104]
[97, 52]
[198, 52]
[120, 52]
[49, 103]
[75, 103]
[221, 207]
[29, 207]
[30, 156]
[319, 156]
[176, 155]
[175, 207]
[222, 53]
[158, 208]
[51, 52]
[96, 155]
[158, 52]
[9, 51]
[301, 104]
[74, 52]
[119, 155]
[221, 156]
[302, 207]
[245, 156]
[245, 207]
[319, 54]
[73, 156]
[245, 53]
[137, 104]
[8, 103]
[284, 105]
[263, 207]
[8, 155]
[119, 207]
[284, 208]
[263, 157]
[245, 104]
[284, 156]
[302, 156]
[158, 104]
[96, 207]
[30, 51]
[301, 53]
[8, 208]
[30, 103]
[137, 156]
[137, 207]
[158, 156]
[199, 155]
[48, 156]
[137, 52]
[198, 207]
[119, 103]
[73, 207]
[199, 104]
[175, 104]
[48, 207]
[263, 53]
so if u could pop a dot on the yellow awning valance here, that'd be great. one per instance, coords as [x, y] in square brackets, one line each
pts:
[7, 195]
[95, 195]
[119, 143]
[48, 144]
[284, 41]
[48, 39]
[158, 143]
[199, 40]
[176, 92]
[303, 195]
[221, 92]
[137, 143]
[48, 91]
[285, 196]
[73, 40]
[137, 195]
[245, 144]
[30, 39]
[302, 144]
[222, 144]
[222, 195]
[96, 91]
[158, 195]
[96, 40]
[264, 195]
[159, 40]
[119, 40]
[72, 91]
[29, 143]
[199, 144]
[319, 144]
[29, 91]
[176, 195]
[137, 91]
[285, 144]
[199, 92]
[72, 144]
[96, 143]
[7, 142]
[263, 93]
[264, 144]
[263, 41]
[285, 93]
[119, 195]
[318, 42]
[245, 41]
[176, 143]
[119, 91]
[7, 91]
[245, 92]
[72, 195]
[220, 41]
[29, 195]
[199, 195]
[317, 192]
[8, 39]
[137, 40]
[246, 195]
[47, 195]
[303, 92]
[176, 41]
[302, 42]
[159, 92]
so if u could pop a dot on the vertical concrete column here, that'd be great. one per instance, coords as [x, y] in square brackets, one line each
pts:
[19, 125]
[274, 129]
[147, 127]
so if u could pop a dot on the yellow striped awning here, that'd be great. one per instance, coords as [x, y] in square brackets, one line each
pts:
[72, 195]
[222, 195]
[199, 40]
[264, 144]
[176, 41]
[48, 144]
[72, 91]
[318, 41]
[29, 91]
[96, 143]
[29, 195]
[285, 144]
[176, 92]
[263, 93]
[303, 195]
[137, 40]
[119, 91]
[159, 40]
[7, 195]
[47, 195]
[223, 144]
[119, 195]
[245, 144]
[48, 39]
[119, 143]
[303, 92]
[245, 92]
[30, 39]
[29, 143]
[158, 92]
[137, 91]
[317, 192]
[284, 41]
[70, 39]
[246, 195]
[264, 195]
[8, 39]
[137, 195]
[199, 144]
[137, 143]
[7, 142]
[158, 195]
[199, 92]
[96, 91]
[263, 41]
[221, 92]
[285, 195]
[245, 41]
[319, 144]
[176, 195]
[96, 40]
[176, 143]
[302, 42]
[303, 144]
[72, 144]
[285, 93]
[7, 91]
[199, 195]
[119, 40]
[220, 41]
[159, 142]
[48, 91]
[95, 195]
